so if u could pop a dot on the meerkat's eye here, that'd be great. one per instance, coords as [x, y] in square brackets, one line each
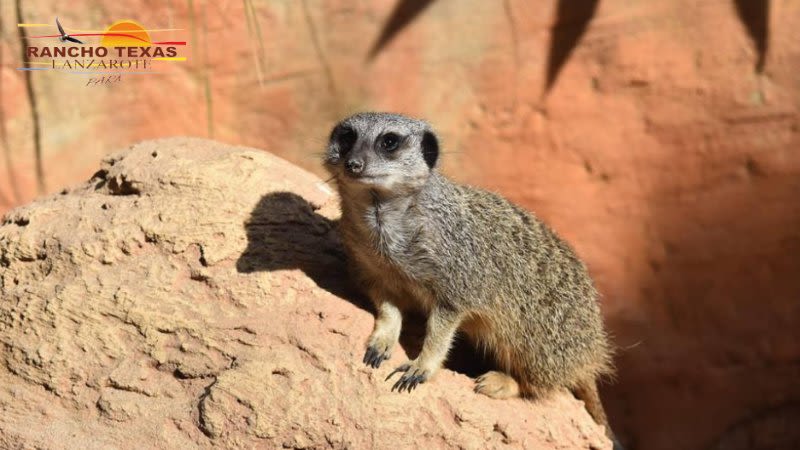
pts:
[389, 142]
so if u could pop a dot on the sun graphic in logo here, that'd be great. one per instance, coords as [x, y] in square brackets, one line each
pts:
[125, 33]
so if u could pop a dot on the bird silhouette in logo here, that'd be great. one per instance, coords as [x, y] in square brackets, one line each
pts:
[64, 36]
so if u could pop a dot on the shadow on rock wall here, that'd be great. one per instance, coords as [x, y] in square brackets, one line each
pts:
[570, 24]
[722, 314]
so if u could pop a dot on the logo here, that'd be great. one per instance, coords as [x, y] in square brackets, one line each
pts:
[105, 56]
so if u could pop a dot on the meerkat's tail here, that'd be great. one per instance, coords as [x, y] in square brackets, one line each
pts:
[586, 391]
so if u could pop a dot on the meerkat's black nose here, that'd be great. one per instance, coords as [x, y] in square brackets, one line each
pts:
[354, 166]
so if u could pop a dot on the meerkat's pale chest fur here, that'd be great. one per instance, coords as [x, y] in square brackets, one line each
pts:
[468, 259]
[385, 241]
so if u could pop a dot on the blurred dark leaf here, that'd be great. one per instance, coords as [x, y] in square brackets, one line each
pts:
[404, 13]
[754, 14]
[572, 20]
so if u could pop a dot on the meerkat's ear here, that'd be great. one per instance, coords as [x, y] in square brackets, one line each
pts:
[430, 148]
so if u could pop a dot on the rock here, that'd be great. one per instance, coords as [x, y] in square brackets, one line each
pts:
[192, 294]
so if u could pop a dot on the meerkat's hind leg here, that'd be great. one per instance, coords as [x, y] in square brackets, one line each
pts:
[384, 336]
[497, 385]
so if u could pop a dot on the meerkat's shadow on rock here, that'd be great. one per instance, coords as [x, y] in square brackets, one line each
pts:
[284, 232]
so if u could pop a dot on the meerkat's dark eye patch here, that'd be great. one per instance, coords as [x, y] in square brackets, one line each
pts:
[345, 137]
[389, 142]
[430, 149]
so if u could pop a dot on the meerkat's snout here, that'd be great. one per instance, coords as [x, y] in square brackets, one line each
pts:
[354, 166]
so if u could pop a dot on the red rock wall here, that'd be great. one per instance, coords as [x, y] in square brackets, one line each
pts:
[660, 152]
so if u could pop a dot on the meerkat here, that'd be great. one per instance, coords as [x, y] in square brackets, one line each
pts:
[467, 258]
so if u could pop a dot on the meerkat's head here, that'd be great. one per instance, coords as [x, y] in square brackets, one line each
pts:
[382, 151]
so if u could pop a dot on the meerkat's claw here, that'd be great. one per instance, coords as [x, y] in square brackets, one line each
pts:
[415, 381]
[401, 368]
[368, 355]
[409, 382]
[374, 357]
[410, 379]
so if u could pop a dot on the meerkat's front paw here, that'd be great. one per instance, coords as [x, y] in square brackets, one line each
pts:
[414, 375]
[379, 349]
[375, 355]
